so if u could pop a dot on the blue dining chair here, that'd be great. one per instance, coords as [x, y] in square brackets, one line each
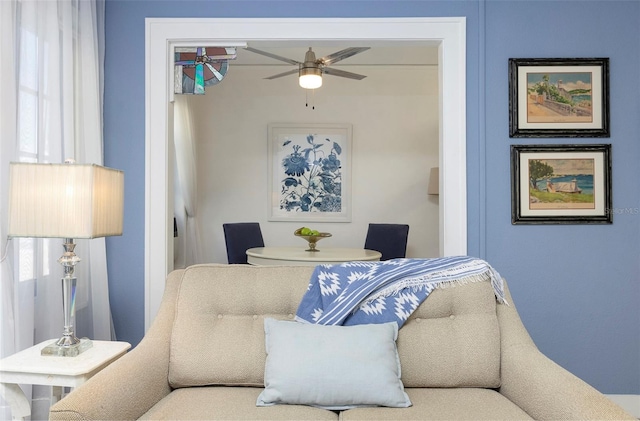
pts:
[239, 237]
[388, 239]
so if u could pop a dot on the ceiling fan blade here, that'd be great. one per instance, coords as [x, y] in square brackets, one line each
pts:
[341, 55]
[290, 72]
[342, 73]
[277, 57]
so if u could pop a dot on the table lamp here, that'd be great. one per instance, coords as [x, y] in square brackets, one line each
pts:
[65, 201]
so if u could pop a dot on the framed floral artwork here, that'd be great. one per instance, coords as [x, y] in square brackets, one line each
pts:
[560, 97]
[561, 184]
[310, 172]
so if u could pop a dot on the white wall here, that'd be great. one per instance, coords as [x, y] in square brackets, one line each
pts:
[394, 113]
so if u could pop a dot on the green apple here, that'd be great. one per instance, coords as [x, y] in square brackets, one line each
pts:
[305, 231]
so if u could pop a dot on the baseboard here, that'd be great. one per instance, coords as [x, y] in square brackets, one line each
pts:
[630, 403]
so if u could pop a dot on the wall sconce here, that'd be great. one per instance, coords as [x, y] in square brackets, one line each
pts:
[434, 181]
[65, 201]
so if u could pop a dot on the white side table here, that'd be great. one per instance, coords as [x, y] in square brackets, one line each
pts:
[29, 367]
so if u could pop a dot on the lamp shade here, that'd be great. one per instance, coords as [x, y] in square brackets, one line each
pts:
[65, 200]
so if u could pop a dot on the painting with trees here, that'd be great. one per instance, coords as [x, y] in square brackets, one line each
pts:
[555, 184]
[561, 183]
[559, 97]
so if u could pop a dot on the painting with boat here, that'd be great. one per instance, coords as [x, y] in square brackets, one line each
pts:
[561, 184]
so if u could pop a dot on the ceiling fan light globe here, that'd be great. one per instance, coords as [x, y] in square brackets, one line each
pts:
[310, 81]
[310, 77]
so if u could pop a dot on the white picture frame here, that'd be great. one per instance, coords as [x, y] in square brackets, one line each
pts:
[309, 172]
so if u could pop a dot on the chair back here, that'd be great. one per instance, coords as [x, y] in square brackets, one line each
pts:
[239, 237]
[388, 239]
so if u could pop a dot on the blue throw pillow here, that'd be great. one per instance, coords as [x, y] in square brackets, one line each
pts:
[332, 367]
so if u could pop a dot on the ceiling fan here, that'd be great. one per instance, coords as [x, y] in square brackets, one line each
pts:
[311, 70]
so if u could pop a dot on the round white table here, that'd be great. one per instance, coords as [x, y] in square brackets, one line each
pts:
[297, 256]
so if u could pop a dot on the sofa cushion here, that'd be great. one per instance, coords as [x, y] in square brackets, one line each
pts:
[452, 339]
[334, 367]
[445, 404]
[218, 332]
[228, 403]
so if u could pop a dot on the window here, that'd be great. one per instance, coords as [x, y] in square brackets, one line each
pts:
[32, 257]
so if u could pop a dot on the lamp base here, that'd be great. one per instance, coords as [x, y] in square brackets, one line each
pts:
[72, 350]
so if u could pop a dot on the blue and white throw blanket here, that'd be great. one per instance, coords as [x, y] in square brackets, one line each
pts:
[378, 292]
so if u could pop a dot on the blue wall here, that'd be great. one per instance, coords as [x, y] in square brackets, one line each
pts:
[577, 287]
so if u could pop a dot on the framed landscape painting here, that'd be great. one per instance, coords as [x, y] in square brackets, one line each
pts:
[559, 97]
[310, 172]
[561, 184]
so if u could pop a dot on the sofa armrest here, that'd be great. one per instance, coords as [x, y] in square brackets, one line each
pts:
[539, 386]
[546, 391]
[124, 390]
[130, 386]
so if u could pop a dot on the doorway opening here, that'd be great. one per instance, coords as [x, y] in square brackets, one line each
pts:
[163, 35]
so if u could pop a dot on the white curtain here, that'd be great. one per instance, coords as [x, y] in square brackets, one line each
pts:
[8, 91]
[50, 110]
[187, 246]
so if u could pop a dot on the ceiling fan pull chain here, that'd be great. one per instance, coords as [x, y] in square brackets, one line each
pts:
[306, 94]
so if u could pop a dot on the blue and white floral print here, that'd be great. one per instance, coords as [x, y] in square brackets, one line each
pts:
[314, 176]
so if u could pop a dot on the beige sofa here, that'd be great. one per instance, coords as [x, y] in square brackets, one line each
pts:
[463, 356]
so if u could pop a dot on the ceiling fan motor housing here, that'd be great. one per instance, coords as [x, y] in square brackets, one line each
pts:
[311, 66]
[310, 72]
[315, 70]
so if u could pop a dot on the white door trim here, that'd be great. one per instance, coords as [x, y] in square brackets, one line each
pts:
[162, 34]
